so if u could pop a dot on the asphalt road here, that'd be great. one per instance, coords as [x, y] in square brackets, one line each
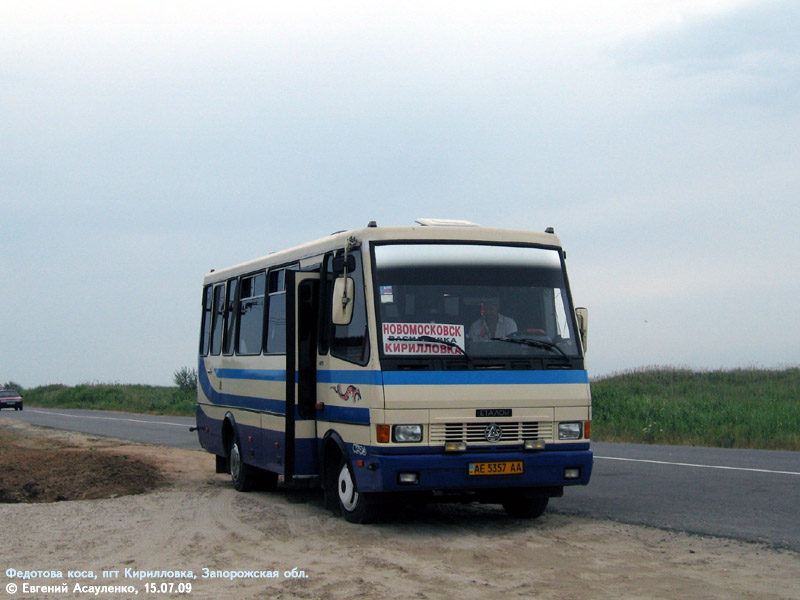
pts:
[749, 495]
[147, 429]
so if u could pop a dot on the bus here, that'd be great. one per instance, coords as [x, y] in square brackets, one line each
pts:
[442, 361]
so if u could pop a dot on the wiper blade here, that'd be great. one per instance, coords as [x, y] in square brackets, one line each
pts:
[533, 343]
[431, 340]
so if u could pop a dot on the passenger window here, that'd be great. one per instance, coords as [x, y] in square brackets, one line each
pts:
[219, 317]
[276, 327]
[205, 335]
[230, 317]
[251, 314]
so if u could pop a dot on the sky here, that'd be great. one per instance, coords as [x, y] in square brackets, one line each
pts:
[144, 143]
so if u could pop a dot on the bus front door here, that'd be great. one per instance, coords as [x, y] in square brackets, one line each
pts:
[302, 314]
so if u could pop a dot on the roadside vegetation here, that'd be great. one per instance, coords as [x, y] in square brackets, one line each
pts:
[143, 399]
[742, 408]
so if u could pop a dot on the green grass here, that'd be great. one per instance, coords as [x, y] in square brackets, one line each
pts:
[143, 399]
[743, 408]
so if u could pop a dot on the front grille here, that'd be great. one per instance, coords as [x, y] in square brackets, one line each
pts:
[475, 433]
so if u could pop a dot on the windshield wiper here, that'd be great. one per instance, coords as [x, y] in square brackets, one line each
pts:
[432, 340]
[535, 344]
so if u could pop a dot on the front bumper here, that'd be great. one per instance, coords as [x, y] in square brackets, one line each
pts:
[450, 472]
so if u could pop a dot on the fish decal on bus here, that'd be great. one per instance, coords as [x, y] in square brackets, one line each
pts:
[350, 393]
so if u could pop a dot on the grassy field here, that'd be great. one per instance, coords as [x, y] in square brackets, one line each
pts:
[743, 408]
[143, 399]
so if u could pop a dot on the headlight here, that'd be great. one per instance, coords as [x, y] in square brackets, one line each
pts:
[569, 431]
[407, 433]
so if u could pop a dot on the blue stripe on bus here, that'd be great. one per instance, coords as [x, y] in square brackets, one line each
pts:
[354, 377]
[364, 377]
[341, 414]
[270, 405]
[252, 374]
[344, 414]
[484, 377]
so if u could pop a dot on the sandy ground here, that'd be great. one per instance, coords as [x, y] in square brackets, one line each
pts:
[199, 522]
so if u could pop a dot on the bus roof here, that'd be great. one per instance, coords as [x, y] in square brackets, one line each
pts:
[441, 230]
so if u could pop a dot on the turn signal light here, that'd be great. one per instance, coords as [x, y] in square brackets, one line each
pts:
[384, 433]
[587, 430]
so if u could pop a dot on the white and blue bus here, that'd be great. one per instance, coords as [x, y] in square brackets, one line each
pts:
[443, 361]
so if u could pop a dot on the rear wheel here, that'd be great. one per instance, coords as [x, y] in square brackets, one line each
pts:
[355, 506]
[518, 504]
[243, 475]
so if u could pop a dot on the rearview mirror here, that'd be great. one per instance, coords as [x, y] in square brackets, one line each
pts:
[343, 296]
[340, 264]
[582, 314]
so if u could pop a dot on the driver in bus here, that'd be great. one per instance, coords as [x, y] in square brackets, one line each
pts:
[491, 324]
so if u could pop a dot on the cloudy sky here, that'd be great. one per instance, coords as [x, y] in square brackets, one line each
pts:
[144, 143]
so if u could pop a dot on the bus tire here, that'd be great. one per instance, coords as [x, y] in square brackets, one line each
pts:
[518, 504]
[243, 475]
[356, 507]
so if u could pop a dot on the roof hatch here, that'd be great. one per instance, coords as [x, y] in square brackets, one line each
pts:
[446, 223]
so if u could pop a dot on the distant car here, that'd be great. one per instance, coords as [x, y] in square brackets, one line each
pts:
[10, 399]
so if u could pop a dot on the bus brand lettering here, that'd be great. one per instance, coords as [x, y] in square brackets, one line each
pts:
[493, 412]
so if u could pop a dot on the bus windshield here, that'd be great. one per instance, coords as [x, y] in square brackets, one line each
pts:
[451, 301]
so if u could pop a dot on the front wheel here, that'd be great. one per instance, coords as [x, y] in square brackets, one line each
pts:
[356, 507]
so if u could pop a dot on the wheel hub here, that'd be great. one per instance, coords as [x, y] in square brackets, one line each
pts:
[235, 461]
[347, 489]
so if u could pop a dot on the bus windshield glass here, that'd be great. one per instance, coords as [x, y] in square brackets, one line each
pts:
[451, 301]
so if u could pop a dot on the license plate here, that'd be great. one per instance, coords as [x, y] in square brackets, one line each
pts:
[512, 467]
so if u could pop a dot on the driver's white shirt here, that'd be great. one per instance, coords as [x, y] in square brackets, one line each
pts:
[479, 332]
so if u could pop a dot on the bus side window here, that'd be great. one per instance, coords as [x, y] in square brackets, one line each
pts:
[351, 342]
[251, 314]
[276, 327]
[230, 317]
[205, 332]
[219, 317]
